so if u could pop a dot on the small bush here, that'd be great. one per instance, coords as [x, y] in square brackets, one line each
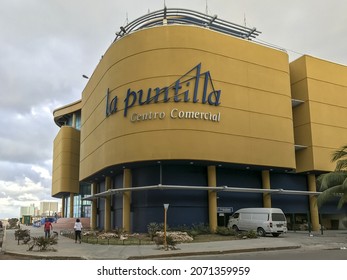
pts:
[42, 243]
[193, 233]
[119, 231]
[152, 228]
[183, 227]
[225, 231]
[201, 228]
[176, 236]
[252, 234]
[13, 223]
[22, 234]
[170, 241]
[248, 234]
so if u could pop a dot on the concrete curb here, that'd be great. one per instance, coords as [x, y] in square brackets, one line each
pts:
[161, 256]
[185, 254]
[43, 257]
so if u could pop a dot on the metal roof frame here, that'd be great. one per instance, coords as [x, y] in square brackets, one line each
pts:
[168, 16]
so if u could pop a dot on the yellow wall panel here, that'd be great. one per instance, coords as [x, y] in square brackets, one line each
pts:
[238, 149]
[299, 90]
[326, 71]
[319, 122]
[254, 110]
[304, 159]
[322, 158]
[325, 114]
[328, 93]
[301, 114]
[303, 135]
[328, 136]
[66, 156]
[298, 71]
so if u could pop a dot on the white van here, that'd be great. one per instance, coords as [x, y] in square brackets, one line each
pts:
[263, 220]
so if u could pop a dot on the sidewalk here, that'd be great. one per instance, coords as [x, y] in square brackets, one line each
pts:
[68, 249]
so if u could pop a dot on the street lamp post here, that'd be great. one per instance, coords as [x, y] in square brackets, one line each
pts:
[166, 207]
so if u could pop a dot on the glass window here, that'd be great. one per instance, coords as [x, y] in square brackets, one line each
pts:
[236, 215]
[78, 120]
[69, 121]
[260, 217]
[278, 217]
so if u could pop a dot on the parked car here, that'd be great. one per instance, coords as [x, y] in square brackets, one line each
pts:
[262, 220]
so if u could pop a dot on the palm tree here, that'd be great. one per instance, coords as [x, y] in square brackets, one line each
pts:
[334, 184]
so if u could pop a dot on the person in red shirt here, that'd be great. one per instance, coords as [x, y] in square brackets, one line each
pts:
[47, 228]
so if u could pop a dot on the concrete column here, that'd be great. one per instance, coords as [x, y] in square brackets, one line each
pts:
[63, 207]
[74, 120]
[71, 205]
[108, 186]
[94, 208]
[265, 177]
[311, 179]
[127, 183]
[212, 198]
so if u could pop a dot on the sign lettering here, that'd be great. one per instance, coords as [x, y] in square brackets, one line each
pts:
[193, 87]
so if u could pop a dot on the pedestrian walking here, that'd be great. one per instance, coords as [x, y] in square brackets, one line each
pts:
[78, 229]
[47, 227]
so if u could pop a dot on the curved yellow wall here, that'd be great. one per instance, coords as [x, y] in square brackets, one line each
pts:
[255, 123]
[66, 161]
[320, 122]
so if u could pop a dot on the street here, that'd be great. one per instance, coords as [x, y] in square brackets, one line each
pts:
[294, 254]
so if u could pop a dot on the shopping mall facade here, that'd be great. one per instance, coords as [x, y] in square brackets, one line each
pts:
[189, 110]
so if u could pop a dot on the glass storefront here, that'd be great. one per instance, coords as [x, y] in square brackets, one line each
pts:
[82, 208]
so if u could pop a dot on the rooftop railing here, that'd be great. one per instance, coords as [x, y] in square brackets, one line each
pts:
[168, 16]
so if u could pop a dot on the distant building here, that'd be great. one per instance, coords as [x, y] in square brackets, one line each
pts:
[48, 208]
[31, 210]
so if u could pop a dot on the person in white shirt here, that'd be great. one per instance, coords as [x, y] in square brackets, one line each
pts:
[78, 229]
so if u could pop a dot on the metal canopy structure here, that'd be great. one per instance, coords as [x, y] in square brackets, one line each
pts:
[199, 188]
[187, 17]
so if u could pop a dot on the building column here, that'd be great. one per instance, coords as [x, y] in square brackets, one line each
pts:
[72, 196]
[94, 208]
[311, 179]
[127, 183]
[107, 226]
[265, 178]
[74, 120]
[63, 207]
[212, 198]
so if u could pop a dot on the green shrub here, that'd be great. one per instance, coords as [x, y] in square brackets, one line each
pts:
[42, 243]
[201, 228]
[152, 229]
[193, 233]
[22, 234]
[252, 234]
[248, 234]
[13, 223]
[171, 243]
[225, 231]
[119, 231]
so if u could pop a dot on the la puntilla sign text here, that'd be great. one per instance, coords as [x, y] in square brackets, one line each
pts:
[193, 86]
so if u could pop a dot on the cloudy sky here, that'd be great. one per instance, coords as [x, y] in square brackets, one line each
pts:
[47, 45]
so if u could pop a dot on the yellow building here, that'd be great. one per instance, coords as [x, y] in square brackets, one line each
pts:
[188, 110]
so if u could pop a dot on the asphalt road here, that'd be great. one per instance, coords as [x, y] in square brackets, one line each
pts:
[294, 254]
